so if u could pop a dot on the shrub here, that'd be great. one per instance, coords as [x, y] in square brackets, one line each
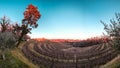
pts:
[7, 40]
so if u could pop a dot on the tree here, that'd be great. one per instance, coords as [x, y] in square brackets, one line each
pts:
[113, 31]
[31, 16]
[5, 24]
[7, 38]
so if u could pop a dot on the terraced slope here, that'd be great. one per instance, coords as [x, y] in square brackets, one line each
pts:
[59, 55]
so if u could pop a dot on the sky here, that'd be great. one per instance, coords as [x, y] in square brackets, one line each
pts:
[64, 19]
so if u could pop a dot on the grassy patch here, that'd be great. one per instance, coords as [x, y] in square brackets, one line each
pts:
[115, 63]
[18, 54]
[16, 59]
[11, 62]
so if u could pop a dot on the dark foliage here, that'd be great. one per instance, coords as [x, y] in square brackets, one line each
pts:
[90, 42]
[113, 31]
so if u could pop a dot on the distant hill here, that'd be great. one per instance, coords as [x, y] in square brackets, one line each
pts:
[58, 40]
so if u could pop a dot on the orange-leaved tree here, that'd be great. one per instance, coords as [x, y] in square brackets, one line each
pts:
[31, 16]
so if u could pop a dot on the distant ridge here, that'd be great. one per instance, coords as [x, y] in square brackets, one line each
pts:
[71, 40]
[58, 40]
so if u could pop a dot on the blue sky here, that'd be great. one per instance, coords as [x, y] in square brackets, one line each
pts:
[69, 19]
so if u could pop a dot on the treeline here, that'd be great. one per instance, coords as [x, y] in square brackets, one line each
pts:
[90, 42]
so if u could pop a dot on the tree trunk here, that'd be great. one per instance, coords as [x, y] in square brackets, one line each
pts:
[3, 56]
[22, 34]
[19, 40]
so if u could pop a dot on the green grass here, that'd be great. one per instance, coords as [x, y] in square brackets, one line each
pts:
[11, 62]
[115, 63]
[19, 55]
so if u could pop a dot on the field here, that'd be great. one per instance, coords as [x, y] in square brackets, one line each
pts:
[49, 54]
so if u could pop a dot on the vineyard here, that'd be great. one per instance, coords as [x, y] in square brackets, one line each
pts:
[60, 55]
[68, 37]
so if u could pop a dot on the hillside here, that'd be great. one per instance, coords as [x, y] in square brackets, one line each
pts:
[60, 55]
